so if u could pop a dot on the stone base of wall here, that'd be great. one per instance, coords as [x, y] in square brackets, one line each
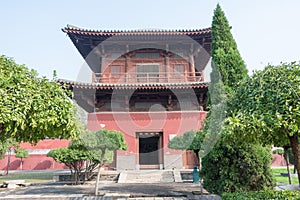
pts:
[173, 161]
[126, 162]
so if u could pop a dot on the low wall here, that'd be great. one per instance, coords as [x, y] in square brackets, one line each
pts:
[33, 162]
[37, 159]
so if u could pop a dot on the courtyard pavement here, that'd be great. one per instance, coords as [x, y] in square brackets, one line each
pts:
[108, 191]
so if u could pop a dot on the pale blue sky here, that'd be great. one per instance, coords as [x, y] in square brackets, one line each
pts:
[266, 31]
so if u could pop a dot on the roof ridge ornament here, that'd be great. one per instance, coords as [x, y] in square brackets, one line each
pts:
[69, 26]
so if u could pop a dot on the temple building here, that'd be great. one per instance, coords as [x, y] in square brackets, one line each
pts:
[149, 84]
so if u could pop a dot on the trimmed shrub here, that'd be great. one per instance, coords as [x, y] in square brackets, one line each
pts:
[237, 168]
[270, 194]
[278, 151]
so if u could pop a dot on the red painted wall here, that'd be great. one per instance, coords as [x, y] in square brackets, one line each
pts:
[36, 161]
[130, 123]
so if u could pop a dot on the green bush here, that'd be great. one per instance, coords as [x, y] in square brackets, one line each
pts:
[278, 151]
[21, 153]
[237, 168]
[270, 194]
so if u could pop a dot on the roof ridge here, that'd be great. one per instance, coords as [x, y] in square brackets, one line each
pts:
[150, 30]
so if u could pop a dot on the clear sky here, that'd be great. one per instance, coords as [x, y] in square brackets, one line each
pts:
[266, 31]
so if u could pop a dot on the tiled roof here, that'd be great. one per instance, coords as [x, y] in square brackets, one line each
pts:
[76, 84]
[76, 30]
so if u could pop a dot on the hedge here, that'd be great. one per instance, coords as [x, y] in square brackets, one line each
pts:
[263, 195]
[232, 167]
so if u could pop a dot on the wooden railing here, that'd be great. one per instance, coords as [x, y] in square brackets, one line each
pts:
[150, 77]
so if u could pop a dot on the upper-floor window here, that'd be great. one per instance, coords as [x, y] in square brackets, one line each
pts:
[115, 70]
[113, 105]
[179, 54]
[147, 72]
[115, 55]
[147, 55]
[179, 70]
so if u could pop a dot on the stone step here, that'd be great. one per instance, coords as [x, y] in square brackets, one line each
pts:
[151, 176]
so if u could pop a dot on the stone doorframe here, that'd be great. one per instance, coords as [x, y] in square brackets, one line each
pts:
[159, 134]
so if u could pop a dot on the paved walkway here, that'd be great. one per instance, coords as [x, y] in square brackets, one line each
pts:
[108, 191]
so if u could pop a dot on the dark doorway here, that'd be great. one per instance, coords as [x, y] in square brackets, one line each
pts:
[149, 150]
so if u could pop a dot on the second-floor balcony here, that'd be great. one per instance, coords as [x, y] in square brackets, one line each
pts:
[149, 77]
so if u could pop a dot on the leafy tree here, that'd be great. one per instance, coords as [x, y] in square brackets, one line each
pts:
[266, 108]
[225, 55]
[21, 153]
[7, 146]
[78, 159]
[233, 167]
[94, 155]
[72, 158]
[190, 140]
[32, 108]
[278, 151]
[104, 141]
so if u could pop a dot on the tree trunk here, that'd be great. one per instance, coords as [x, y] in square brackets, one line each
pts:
[295, 149]
[99, 171]
[196, 151]
[86, 173]
[21, 164]
[8, 161]
[287, 160]
[75, 173]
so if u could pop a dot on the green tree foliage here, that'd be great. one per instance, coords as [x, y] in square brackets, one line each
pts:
[190, 140]
[21, 153]
[72, 158]
[78, 158]
[6, 146]
[225, 55]
[237, 168]
[229, 166]
[32, 108]
[104, 141]
[267, 108]
[183, 142]
[228, 69]
[278, 151]
[268, 194]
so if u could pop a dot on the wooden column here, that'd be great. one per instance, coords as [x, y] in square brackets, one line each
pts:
[126, 63]
[192, 62]
[137, 155]
[192, 66]
[160, 149]
[126, 103]
[126, 68]
[167, 64]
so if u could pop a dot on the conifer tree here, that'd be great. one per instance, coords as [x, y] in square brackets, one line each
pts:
[228, 172]
[225, 55]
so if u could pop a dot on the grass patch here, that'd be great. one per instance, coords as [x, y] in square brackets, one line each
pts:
[30, 177]
[283, 179]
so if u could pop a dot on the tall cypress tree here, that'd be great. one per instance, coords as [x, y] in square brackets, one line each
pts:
[223, 168]
[225, 55]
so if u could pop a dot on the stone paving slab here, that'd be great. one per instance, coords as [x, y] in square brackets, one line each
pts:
[108, 191]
